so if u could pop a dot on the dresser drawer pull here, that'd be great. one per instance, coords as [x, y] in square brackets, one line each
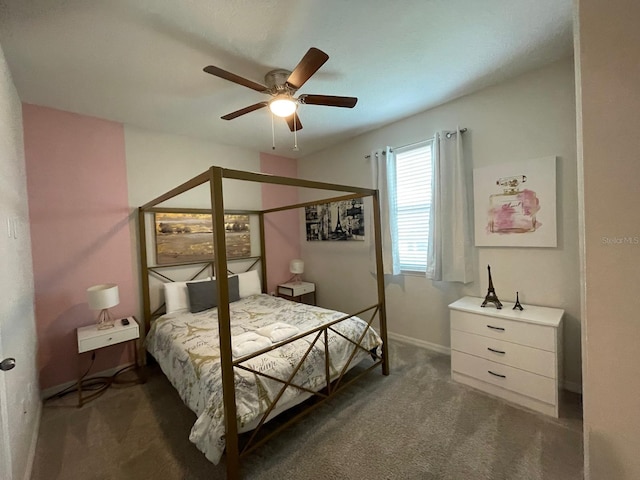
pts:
[495, 328]
[496, 374]
[495, 351]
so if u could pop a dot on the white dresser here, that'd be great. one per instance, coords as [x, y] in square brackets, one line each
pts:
[512, 354]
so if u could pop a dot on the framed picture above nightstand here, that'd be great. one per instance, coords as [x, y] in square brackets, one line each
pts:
[302, 292]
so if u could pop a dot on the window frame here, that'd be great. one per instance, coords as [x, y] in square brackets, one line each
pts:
[412, 269]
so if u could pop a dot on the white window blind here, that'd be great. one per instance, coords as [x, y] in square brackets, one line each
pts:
[414, 170]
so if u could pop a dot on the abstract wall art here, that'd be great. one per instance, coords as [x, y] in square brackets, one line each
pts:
[184, 237]
[515, 204]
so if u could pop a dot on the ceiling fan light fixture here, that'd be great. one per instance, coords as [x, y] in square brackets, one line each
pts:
[283, 106]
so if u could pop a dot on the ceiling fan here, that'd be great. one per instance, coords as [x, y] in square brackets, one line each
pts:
[282, 86]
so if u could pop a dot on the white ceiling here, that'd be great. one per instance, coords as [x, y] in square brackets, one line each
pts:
[140, 61]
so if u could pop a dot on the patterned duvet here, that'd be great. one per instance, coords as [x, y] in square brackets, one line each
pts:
[186, 347]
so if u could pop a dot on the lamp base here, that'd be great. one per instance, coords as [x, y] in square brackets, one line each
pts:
[105, 320]
[296, 278]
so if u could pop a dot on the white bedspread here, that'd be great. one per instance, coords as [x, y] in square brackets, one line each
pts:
[187, 348]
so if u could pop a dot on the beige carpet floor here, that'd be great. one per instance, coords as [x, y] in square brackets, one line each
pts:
[414, 424]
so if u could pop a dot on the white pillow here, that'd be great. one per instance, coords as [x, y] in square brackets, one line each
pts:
[249, 283]
[176, 296]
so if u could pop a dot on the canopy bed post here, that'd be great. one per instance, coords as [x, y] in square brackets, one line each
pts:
[263, 253]
[380, 279]
[224, 325]
[146, 298]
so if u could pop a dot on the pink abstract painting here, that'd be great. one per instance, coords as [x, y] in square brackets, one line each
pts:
[515, 204]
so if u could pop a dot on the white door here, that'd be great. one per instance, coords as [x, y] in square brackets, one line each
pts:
[5, 446]
[19, 392]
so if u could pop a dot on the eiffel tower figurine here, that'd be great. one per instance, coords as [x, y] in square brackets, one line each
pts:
[491, 294]
[518, 305]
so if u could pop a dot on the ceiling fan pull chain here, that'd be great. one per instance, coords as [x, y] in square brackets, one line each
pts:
[295, 133]
[273, 135]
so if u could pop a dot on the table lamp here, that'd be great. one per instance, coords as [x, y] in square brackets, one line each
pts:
[296, 267]
[103, 297]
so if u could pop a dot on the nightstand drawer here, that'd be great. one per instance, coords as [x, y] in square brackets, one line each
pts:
[296, 289]
[526, 358]
[532, 335]
[90, 338]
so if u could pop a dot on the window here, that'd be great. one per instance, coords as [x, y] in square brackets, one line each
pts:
[413, 173]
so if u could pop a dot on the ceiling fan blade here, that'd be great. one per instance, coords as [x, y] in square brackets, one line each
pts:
[328, 100]
[232, 77]
[290, 121]
[250, 108]
[309, 65]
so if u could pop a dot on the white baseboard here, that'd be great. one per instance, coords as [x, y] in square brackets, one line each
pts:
[570, 386]
[31, 456]
[59, 388]
[419, 343]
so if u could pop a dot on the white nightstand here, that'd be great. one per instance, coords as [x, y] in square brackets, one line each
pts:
[90, 339]
[296, 290]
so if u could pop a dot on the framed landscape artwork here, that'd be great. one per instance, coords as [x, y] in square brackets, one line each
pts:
[335, 221]
[186, 237]
[515, 204]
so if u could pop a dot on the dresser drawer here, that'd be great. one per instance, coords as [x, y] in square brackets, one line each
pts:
[533, 360]
[529, 334]
[510, 378]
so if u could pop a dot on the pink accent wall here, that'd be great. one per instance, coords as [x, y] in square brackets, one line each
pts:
[282, 229]
[79, 214]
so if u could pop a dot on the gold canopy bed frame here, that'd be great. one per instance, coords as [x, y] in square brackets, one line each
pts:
[214, 176]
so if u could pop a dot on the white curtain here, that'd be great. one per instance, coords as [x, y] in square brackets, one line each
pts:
[383, 177]
[450, 248]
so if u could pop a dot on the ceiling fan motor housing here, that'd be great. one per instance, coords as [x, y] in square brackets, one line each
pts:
[276, 80]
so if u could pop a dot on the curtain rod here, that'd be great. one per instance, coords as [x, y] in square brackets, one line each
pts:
[451, 134]
[448, 135]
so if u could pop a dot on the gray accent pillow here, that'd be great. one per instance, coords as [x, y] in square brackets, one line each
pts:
[204, 295]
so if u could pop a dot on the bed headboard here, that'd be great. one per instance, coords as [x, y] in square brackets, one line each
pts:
[159, 268]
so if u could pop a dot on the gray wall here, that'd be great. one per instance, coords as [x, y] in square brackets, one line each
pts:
[529, 117]
[609, 104]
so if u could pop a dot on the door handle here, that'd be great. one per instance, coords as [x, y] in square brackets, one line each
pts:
[7, 364]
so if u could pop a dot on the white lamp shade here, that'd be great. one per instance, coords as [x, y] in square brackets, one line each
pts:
[103, 296]
[296, 266]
